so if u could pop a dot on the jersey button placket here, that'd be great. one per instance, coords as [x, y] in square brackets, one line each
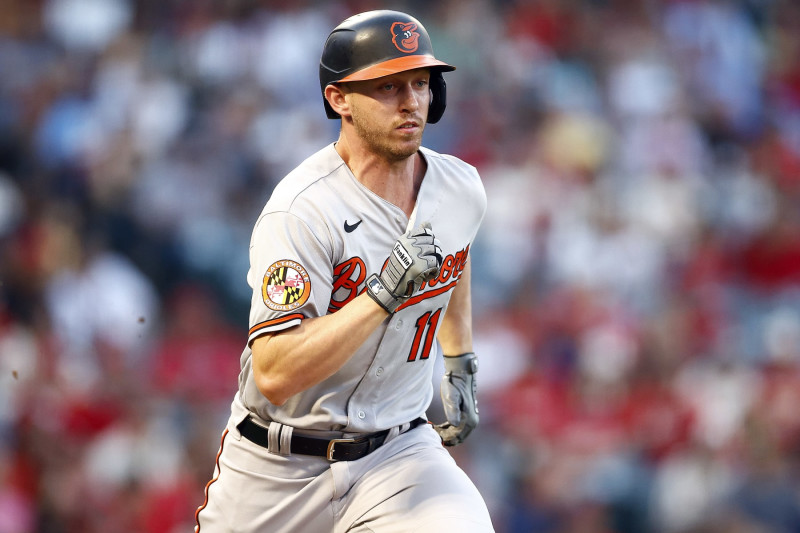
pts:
[362, 415]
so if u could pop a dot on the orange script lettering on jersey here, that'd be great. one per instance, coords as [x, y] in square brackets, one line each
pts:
[349, 276]
[452, 267]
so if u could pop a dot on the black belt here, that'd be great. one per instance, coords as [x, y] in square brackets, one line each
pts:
[333, 449]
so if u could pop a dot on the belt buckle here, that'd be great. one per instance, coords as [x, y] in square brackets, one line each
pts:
[332, 445]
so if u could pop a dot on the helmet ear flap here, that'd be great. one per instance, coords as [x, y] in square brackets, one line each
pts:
[438, 97]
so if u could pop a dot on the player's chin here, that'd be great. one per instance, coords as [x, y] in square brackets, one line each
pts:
[405, 150]
[409, 138]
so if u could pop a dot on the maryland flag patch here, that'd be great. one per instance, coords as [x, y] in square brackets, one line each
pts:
[286, 286]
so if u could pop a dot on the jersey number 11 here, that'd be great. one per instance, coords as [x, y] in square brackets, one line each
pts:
[426, 328]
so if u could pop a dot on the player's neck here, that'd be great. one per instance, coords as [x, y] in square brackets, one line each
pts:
[397, 182]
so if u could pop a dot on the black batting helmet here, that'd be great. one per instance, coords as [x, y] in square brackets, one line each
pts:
[378, 43]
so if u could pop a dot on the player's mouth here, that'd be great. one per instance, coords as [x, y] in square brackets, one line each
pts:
[409, 127]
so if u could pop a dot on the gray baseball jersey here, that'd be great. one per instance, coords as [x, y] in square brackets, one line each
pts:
[321, 234]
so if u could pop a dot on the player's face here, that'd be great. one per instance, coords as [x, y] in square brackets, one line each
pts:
[389, 113]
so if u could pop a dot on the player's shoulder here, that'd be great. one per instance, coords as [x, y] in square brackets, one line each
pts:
[449, 162]
[455, 172]
[451, 167]
[301, 182]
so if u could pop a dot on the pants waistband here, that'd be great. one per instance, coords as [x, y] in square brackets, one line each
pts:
[344, 449]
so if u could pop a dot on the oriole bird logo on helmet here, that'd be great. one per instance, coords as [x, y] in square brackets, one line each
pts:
[405, 37]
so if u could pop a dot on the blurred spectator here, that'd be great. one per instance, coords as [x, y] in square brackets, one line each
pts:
[196, 350]
[86, 25]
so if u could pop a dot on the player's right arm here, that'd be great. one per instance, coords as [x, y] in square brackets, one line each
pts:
[292, 360]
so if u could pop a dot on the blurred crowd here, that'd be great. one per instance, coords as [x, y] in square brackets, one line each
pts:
[636, 280]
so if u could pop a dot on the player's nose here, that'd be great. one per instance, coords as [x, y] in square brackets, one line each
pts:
[409, 98]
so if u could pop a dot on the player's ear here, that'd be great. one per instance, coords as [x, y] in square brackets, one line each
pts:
[335, 95]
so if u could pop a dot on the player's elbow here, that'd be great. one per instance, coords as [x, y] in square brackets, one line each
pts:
[267, 375]
[272, 388]
[270, 382]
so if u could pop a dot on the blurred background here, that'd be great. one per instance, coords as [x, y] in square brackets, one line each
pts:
[636, 280]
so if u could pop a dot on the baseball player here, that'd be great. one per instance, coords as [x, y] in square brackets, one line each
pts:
[359, 265]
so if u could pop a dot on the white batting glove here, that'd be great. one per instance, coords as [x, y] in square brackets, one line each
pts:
[459, 398]
[416, 257]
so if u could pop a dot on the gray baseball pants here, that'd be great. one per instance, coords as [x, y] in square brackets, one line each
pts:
[410, 484]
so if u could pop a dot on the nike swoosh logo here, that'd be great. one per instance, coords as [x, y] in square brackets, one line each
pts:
[349, 228]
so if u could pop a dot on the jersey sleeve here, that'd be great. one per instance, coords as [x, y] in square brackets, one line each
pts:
[290, 274]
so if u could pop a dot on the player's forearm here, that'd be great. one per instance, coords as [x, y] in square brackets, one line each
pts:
[455, 333]
[294, 360]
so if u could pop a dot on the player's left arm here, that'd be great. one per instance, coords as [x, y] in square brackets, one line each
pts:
[460, 363]
[455, 333]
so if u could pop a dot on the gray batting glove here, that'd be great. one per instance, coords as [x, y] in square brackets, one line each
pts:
[416, 257]
[459, 398]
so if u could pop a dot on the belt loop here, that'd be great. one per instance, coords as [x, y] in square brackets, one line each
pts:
[393, 432]
[285, 443]
[273, 437]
